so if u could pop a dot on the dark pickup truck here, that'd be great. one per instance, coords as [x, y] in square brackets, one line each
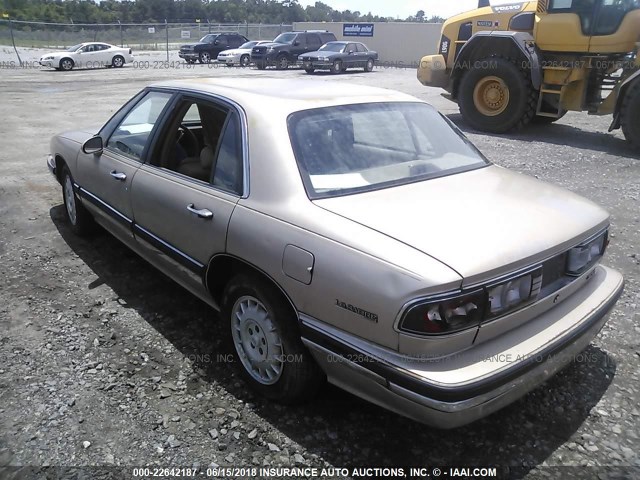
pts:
[286, 48]
[210, 46]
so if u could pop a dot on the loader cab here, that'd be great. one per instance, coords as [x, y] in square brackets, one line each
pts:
[588, 26]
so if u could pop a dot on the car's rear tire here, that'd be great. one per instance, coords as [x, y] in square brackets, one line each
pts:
[629, 119]
[496, 96]
[261, 65]
[265, 340]
[205, 57]
[245, 60]
[190, 61]
[118, 61]
[337, 67]
[79, 218]
[282, 63]
[369, 66]
[66, 64]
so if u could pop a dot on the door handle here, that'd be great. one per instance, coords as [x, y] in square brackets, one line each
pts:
[119, 176]
[203, 213]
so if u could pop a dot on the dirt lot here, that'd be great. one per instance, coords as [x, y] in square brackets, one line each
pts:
[103, 361]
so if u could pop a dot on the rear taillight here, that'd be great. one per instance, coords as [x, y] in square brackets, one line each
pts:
[130, 52]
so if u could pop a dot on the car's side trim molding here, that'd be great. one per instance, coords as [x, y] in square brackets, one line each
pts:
[105, 207]
[169, 250]
[411, 382]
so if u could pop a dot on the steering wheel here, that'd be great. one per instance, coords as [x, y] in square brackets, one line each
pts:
[188, 140]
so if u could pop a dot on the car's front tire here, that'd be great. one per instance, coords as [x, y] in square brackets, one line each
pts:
[205, 57]
[79, 218]
[66, 64]
[266, 342]
[337, 67]
[261, 65]
[310, 70]
[282, 63]
[245, 60]
[117, 61]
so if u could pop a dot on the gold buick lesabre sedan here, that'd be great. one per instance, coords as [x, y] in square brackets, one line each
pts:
[351, 234]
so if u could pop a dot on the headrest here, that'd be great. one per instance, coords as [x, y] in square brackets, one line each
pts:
[206, 157]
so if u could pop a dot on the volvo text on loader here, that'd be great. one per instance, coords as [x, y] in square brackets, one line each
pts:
[506, 65]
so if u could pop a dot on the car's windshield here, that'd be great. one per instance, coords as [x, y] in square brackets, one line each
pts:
[332, 47]
[74, 48]
[354, 148]
[285, 38]
[248, 45]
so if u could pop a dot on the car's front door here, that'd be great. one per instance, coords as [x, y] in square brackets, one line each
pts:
[184, 196]
[105, 179]
[221, 43]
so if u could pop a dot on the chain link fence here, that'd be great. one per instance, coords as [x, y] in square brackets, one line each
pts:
[147, 36]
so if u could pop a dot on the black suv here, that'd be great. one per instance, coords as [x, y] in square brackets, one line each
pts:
[284, 50]
[210, 46]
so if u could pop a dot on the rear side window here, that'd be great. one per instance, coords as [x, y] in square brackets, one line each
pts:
[313, 41]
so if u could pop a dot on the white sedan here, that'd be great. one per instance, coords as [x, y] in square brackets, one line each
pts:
[87, 55]
[241, 55]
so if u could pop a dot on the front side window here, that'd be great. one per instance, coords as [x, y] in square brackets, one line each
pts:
[348, 149]
[131, 135]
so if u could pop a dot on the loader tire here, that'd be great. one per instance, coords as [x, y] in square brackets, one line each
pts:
[496, 96]
[629, 118]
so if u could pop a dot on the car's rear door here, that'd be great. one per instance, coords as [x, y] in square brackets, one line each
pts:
[351, 55]
[183, 205]
[104, 180]
[105, 53]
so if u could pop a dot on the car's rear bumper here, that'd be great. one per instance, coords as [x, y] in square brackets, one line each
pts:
[419, 389]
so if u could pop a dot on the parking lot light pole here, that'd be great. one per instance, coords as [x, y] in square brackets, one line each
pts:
[166, 29]
[13, 41]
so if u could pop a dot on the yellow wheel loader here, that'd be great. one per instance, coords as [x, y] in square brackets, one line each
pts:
[508, 65]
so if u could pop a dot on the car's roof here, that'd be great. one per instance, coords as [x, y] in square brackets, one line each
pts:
[288, 94]
[95, 43]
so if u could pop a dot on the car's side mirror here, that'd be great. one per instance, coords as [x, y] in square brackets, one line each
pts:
[93, 146]
[216, 42]
[296, 43]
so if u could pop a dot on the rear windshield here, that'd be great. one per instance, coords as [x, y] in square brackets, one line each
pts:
[349, 149]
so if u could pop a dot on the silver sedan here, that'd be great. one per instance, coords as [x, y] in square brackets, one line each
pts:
[358, 238]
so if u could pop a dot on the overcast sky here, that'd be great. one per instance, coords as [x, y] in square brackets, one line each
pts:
[405, 8]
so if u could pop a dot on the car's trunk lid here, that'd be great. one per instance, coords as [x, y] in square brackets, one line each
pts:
[483, 223]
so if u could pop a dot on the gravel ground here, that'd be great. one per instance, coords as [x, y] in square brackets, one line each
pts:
[104, 361]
